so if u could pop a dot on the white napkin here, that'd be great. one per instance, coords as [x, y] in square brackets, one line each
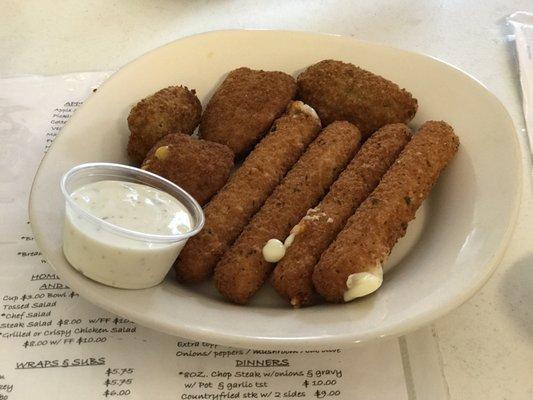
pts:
[522, 25]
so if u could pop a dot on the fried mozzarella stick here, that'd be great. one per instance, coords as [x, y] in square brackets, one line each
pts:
[292, 277]
[340, 91]
[351, 266]
[244, 106]
[243, 268]
[231, 209]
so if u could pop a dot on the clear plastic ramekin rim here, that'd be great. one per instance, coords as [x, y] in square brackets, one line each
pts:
[171, 188]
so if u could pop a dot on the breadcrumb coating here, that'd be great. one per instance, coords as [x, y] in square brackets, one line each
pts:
[244, 106]
[341, 91]
[292, 277]
[370, 234]
[243, 270]
[175, 109]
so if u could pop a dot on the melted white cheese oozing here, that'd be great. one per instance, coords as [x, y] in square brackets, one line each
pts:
[273, 250]
[363, 283]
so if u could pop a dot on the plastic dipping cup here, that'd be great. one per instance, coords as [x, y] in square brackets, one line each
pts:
[114, 255]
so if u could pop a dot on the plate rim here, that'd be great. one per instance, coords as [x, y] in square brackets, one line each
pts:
[346, 339]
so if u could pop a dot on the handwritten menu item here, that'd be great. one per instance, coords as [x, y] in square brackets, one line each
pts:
[56, 345]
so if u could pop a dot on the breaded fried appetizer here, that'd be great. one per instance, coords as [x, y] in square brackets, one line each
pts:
[292, 277]
[175, 109]
[198, 166]
[231, 209]
[244, 106]
[244, 267]
[351, 267]
[341, 91]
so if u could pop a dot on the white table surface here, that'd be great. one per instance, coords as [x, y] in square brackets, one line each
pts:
[486, 345]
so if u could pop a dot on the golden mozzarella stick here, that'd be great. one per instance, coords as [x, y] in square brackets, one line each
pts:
[292, 277]
[340, 91]
[231, 209]
[243, 269]
[351, 266]
[244, 106]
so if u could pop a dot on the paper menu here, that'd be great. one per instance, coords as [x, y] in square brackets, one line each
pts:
[55, 345]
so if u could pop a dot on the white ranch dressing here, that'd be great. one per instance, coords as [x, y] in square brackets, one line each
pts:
[115, 259]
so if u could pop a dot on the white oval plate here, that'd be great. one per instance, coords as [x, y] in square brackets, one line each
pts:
[466, 224]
